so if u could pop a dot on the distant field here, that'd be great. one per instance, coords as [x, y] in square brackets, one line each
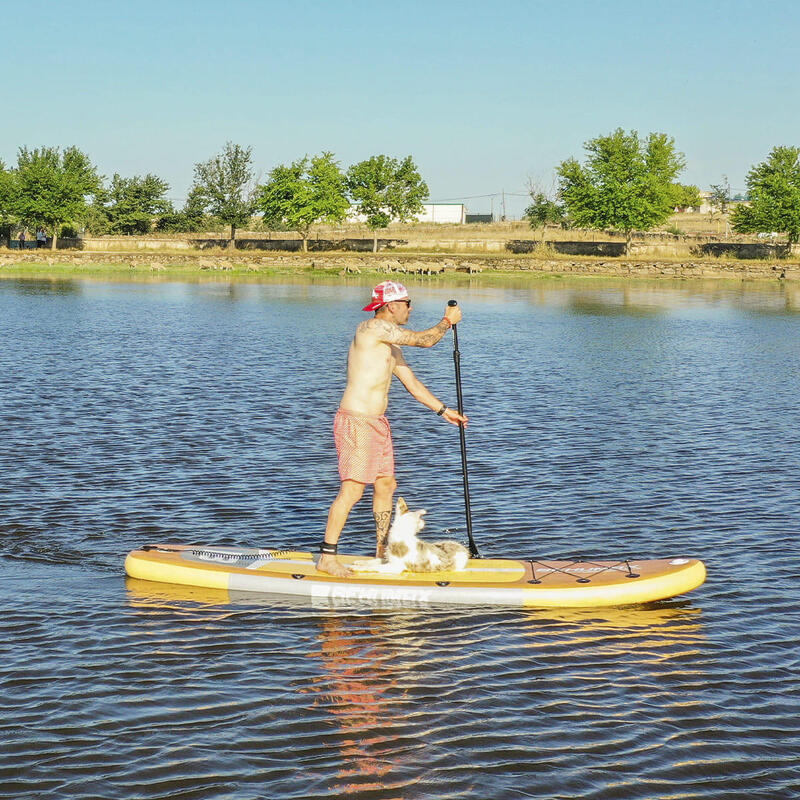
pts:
[687, 224]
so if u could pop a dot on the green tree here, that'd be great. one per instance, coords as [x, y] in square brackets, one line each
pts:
[384, 189]
[306, 192]
[8, 202]
[773, 189]
[686, 196]
[134, 202]
[542, 211]
[190, 219]
[223, 185]
[720, 198]
[54, 187]
[626, 182]
[95, 220]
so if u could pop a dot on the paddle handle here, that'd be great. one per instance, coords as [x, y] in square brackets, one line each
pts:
[473, 549]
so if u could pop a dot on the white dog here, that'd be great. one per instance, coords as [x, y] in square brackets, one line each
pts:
[405, 552]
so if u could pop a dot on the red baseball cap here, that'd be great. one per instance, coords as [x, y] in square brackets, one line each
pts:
[385, 293]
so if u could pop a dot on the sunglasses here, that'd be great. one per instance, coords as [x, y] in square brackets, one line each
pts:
[407, 302]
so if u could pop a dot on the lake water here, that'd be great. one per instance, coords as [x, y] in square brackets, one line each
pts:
[607, 419]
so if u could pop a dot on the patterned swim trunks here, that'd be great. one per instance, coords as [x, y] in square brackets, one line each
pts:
[364, 445]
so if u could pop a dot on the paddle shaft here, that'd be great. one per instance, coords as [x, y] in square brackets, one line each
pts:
[473, 549]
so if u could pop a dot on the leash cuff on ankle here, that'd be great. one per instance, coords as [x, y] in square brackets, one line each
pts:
[329, 549]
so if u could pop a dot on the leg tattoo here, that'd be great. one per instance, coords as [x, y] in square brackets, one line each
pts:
[382, 519]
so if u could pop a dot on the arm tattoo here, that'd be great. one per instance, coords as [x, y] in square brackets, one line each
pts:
[426, 338]
[386, 331]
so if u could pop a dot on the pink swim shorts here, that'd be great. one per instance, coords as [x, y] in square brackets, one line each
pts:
[364, 445]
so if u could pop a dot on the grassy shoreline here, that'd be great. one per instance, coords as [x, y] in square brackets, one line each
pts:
[458, 271]
[134, 262]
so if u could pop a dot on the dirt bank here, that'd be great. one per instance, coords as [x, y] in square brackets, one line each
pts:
[353, 264]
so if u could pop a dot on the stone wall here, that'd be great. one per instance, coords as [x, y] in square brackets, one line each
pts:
[314, 245]
[128, 243]
[680, 247]
[569, 248]
[745, 250]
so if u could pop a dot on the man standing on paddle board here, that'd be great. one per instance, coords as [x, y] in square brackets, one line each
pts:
[362, 433]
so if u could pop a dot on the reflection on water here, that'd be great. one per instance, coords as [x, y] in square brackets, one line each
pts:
[146, 594]
[358, 684]
[591, 295]
[608, 418]
[666, 624]
[46, 286]
[382, 677]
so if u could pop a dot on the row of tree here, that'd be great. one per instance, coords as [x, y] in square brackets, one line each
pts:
[626, 183]
[53, 188]
[629, 184]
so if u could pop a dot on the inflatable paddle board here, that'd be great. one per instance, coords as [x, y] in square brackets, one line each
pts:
[485, 581]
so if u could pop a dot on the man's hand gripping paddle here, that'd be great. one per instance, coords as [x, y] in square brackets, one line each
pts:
[473, 550]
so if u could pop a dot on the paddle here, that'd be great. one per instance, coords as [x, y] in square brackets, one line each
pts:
[473, 549]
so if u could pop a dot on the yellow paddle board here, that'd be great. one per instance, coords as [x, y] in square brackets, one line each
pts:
[486, 581]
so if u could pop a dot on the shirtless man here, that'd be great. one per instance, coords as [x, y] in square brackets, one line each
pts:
[363, 437]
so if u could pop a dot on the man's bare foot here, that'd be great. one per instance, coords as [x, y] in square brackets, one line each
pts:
[331, 565]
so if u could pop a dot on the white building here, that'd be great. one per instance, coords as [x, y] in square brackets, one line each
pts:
[444, 213]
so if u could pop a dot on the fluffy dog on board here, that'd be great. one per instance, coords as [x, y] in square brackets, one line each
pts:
[406, 552]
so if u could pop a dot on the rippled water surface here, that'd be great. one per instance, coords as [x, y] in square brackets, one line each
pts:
[626, 419]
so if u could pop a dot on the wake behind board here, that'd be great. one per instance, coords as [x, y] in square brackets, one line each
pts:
[486, 581]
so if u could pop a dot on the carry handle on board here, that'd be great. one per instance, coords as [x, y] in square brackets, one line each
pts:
[473, 550]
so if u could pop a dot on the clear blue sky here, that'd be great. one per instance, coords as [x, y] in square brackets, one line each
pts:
[481, 94]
